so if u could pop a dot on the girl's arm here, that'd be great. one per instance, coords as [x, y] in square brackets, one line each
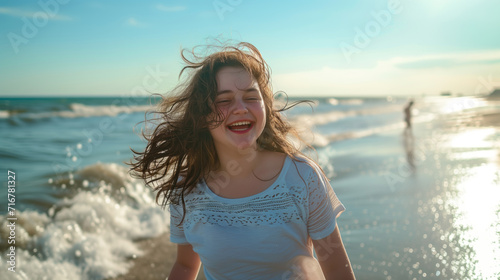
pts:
[332, 257]
[187, 264]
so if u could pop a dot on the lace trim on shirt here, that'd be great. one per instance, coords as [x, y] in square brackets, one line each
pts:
[278, 206]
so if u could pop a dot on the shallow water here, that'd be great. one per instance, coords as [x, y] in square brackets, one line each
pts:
[430, 211]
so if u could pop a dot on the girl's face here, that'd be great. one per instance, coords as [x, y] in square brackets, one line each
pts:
[240, 102]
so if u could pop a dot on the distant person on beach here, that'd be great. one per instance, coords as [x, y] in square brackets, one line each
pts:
[407, 113]
[243, 200]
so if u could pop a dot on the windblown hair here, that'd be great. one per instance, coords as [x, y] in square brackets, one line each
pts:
[180, 151]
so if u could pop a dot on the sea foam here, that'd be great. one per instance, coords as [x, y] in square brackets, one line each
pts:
[89, 235]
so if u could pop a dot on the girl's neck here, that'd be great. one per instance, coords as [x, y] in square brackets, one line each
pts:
[241, 162]
[246, 175]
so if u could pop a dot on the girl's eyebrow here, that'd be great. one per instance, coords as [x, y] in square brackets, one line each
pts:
[251, 89]
[224, 91]
[230, 91]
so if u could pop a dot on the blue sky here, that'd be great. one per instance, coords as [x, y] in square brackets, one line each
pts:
[315, 48]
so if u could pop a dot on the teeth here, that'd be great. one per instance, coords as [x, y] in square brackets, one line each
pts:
[240, 123]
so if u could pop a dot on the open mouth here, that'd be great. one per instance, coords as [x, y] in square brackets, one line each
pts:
[240, 127]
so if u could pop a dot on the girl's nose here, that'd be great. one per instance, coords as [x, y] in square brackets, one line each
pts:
[240, 107]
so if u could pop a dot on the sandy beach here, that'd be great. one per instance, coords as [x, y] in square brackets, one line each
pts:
[425, 232]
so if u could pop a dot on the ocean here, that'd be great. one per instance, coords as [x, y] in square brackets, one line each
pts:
[421, 203]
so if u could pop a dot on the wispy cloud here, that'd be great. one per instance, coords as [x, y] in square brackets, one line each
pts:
[170, 8]
[22, 13]
[462, 72]
[134, 22]
[446, 60]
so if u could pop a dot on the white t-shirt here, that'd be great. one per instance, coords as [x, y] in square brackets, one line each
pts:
[255, 237]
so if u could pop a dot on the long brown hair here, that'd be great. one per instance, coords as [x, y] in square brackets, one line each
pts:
[180, 150]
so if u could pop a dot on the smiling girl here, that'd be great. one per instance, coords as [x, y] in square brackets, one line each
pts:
[243, 200]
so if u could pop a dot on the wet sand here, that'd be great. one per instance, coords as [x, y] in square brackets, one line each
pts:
[490, 119]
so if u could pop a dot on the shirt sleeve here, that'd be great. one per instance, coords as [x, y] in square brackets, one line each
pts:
[324, 206]
[176, 230]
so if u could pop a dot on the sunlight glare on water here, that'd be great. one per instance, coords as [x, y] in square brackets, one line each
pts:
[473, 138]
[460, 104]
[476, 203]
